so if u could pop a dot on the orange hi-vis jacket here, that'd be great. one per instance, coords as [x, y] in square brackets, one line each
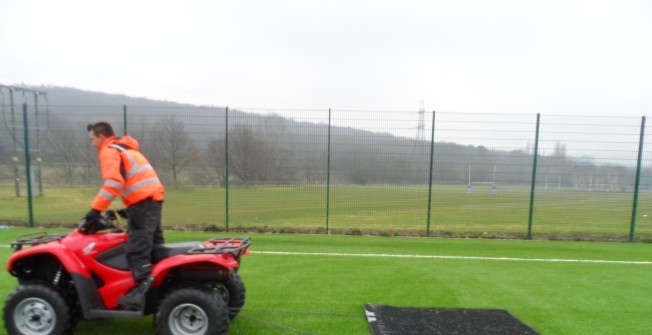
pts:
[126, 173]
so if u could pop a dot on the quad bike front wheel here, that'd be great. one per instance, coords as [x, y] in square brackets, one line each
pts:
[192, 311]
[37, 309]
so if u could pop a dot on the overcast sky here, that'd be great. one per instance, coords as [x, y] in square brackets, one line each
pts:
[512, 56]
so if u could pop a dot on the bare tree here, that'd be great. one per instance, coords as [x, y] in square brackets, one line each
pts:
[68, 148]
[68, 154]
[216, 159]
[278, 163]
[173, 149]
[138, 129]
[251, 157]
[245, 153]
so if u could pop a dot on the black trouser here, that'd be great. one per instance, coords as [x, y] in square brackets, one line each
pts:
[144, 231]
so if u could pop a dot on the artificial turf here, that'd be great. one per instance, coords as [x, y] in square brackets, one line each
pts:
[320, 284]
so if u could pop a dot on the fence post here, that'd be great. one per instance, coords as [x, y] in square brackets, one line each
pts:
[432, 155]
[124, 119]
[328, 176]
[28, 168]
[632, 227]
[226, 153]
[534, 177]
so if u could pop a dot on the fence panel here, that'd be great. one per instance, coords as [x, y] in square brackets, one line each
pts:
[379, 172]
[13, 187]
[186, 147]
[483, 171]
[344, 171]
[278, 169]
[586, 176]
[64, 174]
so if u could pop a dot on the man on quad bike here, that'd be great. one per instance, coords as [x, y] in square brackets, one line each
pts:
[65, 277]
[127, 173]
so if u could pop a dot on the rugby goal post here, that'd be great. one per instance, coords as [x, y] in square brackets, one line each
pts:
[471, 182]
[599, 187]
[551, 184]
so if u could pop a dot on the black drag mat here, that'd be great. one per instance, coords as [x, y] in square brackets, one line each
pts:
[388, 320]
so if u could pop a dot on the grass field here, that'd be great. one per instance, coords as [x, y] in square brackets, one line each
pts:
[320, 288]
[379, 209]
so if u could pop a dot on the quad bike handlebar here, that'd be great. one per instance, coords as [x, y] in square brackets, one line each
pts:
[107, 221]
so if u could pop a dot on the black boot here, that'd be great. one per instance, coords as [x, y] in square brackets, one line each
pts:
[135, 298]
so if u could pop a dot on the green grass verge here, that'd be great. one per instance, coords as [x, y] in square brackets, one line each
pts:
[379, 209]
[324, 294]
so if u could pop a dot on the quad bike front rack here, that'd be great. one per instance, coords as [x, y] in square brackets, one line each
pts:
[35, 238]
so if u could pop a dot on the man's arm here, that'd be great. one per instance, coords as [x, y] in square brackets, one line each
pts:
[113, 182]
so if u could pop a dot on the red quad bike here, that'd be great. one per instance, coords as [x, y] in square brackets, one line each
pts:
[65, 277]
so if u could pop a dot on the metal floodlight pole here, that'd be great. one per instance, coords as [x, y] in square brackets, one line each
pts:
[15, 142]
[14, 128]
[39, 173]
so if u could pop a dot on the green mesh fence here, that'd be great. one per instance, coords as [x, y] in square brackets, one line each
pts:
[587, 171]
[342, 171]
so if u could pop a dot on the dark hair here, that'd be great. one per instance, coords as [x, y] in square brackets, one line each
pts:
[101, 128]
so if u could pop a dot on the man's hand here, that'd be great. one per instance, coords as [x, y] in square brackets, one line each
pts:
[89, 222]
[92, 216]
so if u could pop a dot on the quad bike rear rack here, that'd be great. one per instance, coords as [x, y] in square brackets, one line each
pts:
[235, 247]
[35, 238]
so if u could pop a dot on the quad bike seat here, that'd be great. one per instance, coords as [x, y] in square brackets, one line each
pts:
[117, 257]
[163, 251]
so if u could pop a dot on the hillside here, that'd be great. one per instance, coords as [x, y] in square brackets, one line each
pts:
[68, 96]
[188, 144]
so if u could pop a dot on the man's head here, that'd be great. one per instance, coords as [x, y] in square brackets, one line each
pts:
[98, 132]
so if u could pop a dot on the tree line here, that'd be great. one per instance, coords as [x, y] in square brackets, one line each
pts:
[191, 150]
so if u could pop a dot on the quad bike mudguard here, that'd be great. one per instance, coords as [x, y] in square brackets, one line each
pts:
[66, 256]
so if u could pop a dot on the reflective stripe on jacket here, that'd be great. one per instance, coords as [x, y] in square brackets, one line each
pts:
[126, 173]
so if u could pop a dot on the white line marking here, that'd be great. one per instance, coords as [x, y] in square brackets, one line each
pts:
[508, 259]
[478, 258]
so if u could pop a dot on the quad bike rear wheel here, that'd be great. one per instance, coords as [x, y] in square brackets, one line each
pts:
[37, 309]
[232, 291]
[192, 311]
